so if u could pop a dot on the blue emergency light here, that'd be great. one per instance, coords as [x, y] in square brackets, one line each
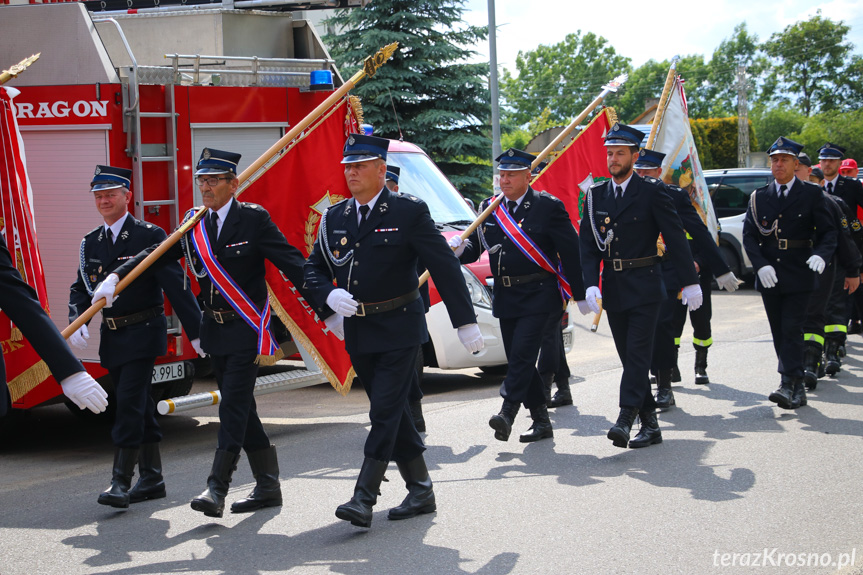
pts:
[320, 80]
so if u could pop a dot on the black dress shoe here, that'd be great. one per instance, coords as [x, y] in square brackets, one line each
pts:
[649, 434]
[563, 396]
[502, 422]
[541, 428]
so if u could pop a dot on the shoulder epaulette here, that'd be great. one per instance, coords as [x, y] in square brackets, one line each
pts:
[597, 184]
[94, 230]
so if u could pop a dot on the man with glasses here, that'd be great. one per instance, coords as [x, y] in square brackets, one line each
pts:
[133, 332]
[227, 251]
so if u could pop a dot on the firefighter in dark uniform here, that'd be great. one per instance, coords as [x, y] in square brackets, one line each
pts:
[841, 275]
[20, 303]
[672, 315]
[789, 236]
[526, 295]
[624, 218]
[851, 192]
[415, 395]
[371, 245]
[133, 332]
[243, 238]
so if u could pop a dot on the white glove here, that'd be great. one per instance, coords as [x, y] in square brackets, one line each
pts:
[591, 296]
[106, 290]
[767, 276]
[458, 245]
[728, 282]
[80, 337]
[336, 324]
[692, 297]
[816, 264]
[471, 337]
[85, 392]
[583, 307]
[342, 302]
[196, 345]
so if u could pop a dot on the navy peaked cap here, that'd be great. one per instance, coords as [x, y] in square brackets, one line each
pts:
[649, 159]
[513, 160]
[362, 148]
[108, 177]
[217, 162]
[393, 173]
[831, 152]
[623, 135]
[783, 145]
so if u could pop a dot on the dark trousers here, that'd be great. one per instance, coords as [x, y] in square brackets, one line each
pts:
[552, 355]
[135, 422]
[702, 335]
[522, 338]
[836, 315]
[667, 325]
[633, 331]
[786, 313]
[240, 427]
[386, 377]
[816, 311]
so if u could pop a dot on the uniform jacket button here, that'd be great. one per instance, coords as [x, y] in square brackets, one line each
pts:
[356, 282]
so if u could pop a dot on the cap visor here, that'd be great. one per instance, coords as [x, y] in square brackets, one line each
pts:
[789, 152]
[106, 186]
[202, 171]
[355, 159]
[618, 142]
[512, 167]
[639, 166]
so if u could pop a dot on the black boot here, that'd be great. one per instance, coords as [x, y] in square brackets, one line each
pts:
[649, 434]
[547, 380]
[798, 397]
[359, 509]
[502, 422]
[783, 396]
[563, 395]
[212, 501]
[150, 485]
[420, 498]
[416, 408]
[121, 478]
[822, 371]
[619, 433]
[541, 427]
[831, 346]
[701, 365]
[268, 490]
[664, 395]
[811, 355]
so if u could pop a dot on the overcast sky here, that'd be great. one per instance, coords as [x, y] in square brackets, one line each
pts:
[674, 28]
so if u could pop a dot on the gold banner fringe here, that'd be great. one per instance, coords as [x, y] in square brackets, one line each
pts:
[301, 338]
[269, 359]
[28, 380]
[16, 334]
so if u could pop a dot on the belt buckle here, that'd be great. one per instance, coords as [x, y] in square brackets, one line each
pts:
[617, 264]
[110, 322]
[217, 315]
[361, 309]
[506, 282]
[783, 244]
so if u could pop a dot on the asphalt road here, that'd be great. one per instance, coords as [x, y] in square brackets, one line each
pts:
[736, 481]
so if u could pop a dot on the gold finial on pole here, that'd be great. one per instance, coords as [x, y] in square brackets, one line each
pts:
[12, 72]
[376, 60]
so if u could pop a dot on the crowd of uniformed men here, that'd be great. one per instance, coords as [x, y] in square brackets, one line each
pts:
[644, 254]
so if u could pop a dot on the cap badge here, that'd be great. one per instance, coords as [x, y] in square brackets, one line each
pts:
[351, 141]
[510, 153]
[98, 170]
[206, 154]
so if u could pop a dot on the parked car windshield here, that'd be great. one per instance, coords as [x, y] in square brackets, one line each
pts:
[730, 193]
[420, 177]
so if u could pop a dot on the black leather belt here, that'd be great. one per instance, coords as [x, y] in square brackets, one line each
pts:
[221, 316]
[620, 265]
[115, 323]
[794, 244]
[509, 281]
[364, 309]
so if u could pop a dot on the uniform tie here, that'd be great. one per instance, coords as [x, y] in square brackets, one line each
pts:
[213, 228]
[364, 214]
[829, 187]
[110, 235]
[511, 205]
[618, 193]
[782, 191]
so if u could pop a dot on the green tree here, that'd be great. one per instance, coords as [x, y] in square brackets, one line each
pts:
[843, 128]
[741, 49]
[770, 123]
[564, 78]
[441, 103]
[646, 82]
[809, 64]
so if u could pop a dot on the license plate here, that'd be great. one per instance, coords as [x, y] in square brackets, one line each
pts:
[168, 372]
[567, 339]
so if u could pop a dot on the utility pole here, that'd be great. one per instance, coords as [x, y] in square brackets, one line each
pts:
[492, 55]
[742, 119]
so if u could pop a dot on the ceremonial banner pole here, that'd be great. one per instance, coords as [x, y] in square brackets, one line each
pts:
[12, 72]
[257, 168]
[663, 101]
[606, 90]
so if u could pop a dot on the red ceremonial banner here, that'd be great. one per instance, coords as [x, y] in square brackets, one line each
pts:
[24, 369]
[296, 191]
[581, 163]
